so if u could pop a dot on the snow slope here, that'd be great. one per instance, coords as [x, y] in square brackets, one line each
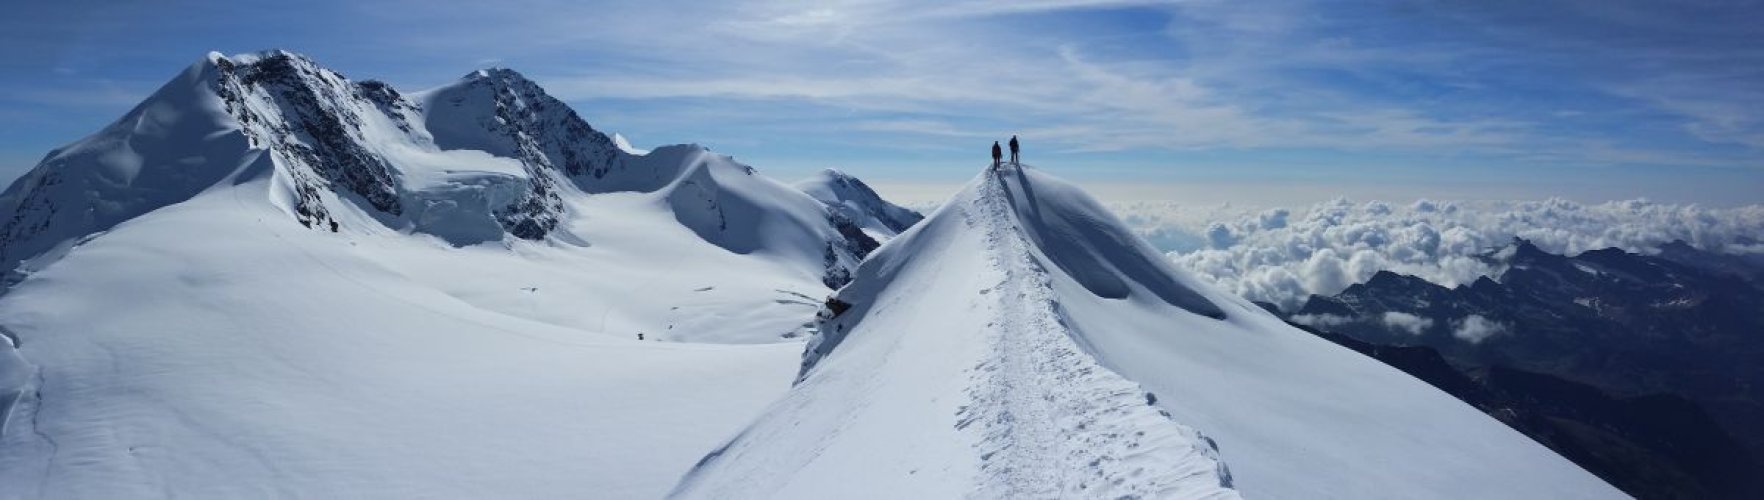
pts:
[1020, 342]
[272, 363]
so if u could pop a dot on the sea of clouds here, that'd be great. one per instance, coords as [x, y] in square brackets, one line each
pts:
[1283, 256]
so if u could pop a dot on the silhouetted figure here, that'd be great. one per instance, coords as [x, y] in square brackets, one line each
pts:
[1014, 151]
[996, 154]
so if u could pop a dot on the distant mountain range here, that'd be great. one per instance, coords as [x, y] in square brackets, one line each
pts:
[1642, 368]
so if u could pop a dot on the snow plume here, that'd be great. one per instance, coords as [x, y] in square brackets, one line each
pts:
[1283, 256]
[1474, 328]
[1409, 322]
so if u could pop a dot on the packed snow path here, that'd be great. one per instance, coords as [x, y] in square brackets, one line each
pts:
[1052, 423]
[1003, 402]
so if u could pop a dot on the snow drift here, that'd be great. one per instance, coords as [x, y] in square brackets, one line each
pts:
[1019, 343]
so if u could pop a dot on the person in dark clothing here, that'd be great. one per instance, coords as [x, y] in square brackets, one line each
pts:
[996, 154]
[1014, 150]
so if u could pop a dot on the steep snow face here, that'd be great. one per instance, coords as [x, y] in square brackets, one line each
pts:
[505, 114]
[1092, 248]
[730, 205]
[1018, 343]
[851, 198]
[173, 145]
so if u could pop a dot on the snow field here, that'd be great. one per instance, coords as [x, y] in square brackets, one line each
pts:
[280, 362]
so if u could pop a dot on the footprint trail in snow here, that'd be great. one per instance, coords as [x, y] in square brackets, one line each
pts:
[1051, 421]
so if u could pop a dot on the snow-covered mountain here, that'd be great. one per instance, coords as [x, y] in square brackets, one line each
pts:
[268, 280]
[1020, 342]
[489, 157]
[854, 200]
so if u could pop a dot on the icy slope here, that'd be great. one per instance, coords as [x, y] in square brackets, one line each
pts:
[1020, 342]
[211, 349]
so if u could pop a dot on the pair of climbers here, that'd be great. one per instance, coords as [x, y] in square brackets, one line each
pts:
[998, 154]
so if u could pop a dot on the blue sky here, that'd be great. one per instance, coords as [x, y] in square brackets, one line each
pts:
[1268, 102]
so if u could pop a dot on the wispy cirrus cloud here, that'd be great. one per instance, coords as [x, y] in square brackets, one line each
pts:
[1363, 91]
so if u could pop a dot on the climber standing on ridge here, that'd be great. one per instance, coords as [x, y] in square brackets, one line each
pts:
[1014, 152]
[996, 155]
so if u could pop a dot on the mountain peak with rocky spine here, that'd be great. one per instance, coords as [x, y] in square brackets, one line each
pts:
[488, 157]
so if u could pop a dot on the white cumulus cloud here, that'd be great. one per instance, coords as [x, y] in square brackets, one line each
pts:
[1474, 328]
[1285, 255]
[1406, 322]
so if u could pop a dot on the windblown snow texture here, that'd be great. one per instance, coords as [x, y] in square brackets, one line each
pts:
[1011, 345]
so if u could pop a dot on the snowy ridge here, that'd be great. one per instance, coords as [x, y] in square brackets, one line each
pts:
[1076, 363]
[1054, 423]
[1007, 404]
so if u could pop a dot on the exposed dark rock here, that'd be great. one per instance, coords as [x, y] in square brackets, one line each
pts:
[313, 128]
[1619, 323]
[1654, 446]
